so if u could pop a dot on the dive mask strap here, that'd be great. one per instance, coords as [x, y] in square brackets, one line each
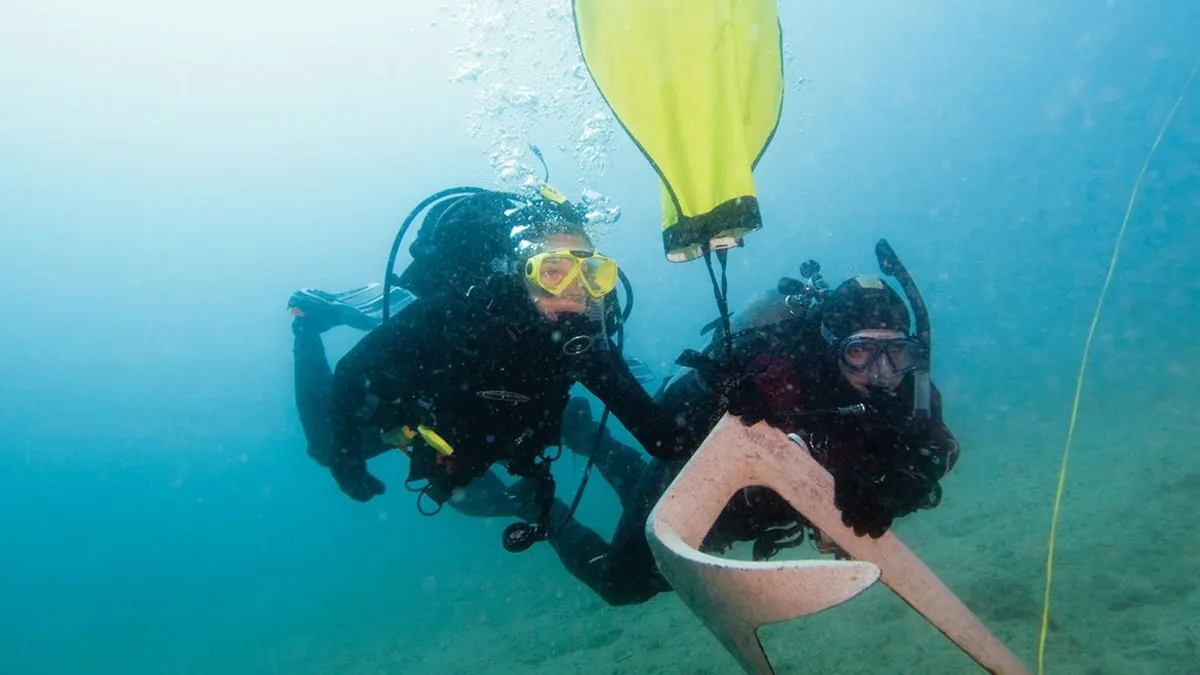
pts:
[505, 266]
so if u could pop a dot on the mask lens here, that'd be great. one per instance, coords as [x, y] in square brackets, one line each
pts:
[860, 354]
[916, 355]
[903, 355]
[599, 275]
[555, 272]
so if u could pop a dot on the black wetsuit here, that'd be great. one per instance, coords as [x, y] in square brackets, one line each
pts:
[489, 374]
[487, 496]
[787, 374]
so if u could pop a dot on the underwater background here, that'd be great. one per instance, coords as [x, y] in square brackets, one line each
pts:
[171, 172]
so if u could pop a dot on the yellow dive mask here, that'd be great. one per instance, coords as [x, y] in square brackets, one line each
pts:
[555, 271]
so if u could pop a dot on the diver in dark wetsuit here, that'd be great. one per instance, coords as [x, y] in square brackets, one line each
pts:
[840, 373]
[510, 312]
[315, 313]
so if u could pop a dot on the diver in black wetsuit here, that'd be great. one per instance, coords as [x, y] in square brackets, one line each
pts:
[315, 313]
[511, 310]
[840, 373]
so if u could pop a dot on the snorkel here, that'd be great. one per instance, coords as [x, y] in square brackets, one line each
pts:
[890, 265]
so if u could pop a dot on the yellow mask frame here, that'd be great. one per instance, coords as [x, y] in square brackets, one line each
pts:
[555, 271]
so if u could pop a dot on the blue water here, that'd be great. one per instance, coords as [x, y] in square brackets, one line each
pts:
[170, 174]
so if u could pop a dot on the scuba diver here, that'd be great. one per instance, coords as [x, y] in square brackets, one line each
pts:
[505, 306]
[841, 369]
[316, 312]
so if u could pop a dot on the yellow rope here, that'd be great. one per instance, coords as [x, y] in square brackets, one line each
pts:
[1087, 348]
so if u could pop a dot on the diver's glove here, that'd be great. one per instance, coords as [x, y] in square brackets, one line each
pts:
[890, 475]
[870, 502]
[354, 479]
[863, 510]
[724, 380]
[766, 390]
[745, 402]
[749, 392]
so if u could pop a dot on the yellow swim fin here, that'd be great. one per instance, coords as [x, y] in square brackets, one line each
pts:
[698, 85]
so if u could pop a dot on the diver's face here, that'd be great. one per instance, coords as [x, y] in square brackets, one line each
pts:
[881, 374]
[573, 299]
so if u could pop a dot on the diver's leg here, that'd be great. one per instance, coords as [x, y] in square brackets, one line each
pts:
[315, 312]
[630, 564]
[620, 465]
[313, 379]
[624, 572]
[584, 554]
[580, 549]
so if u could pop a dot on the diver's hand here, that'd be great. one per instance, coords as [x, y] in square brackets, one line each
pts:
[747, 405]
[354, 480]
[862, 508]
[767, 390]
[870, 505]
[727, 383]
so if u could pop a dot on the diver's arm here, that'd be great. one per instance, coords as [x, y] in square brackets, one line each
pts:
[942, 442]
[610, 379]
[694, 406]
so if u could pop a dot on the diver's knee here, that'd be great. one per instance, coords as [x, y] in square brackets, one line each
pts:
[321, 454]
[625, 594]
[622, 598]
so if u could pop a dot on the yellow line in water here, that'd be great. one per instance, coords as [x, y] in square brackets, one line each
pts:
[1087, 348]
